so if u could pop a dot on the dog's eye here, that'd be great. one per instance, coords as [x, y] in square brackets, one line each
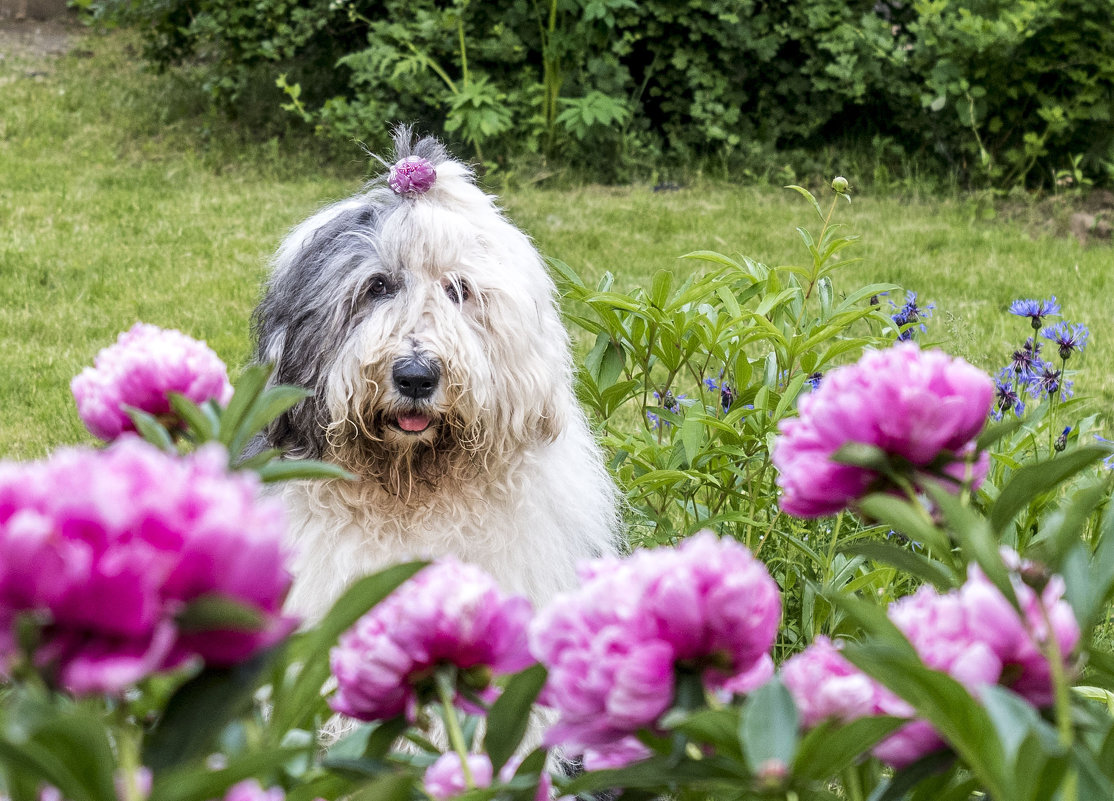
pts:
[457, 291]
[378, 287]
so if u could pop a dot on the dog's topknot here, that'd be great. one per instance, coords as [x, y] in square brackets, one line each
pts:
[426, 147]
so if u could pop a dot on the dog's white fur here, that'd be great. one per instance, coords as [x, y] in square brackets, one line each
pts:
[507, 475]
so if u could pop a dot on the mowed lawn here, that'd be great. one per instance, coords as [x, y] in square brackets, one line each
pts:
[120, 201]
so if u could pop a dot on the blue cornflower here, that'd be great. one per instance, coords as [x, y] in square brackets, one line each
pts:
[910, 314]
[1062, 440]
[1048, 381]
[1108, 462]
[669, 402]
[1006, 394]
[726, 394]
[1035, 310]
[1027, 359]
[814, 380]
[1069, 336]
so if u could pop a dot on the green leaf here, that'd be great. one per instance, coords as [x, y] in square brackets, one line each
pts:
[995, 432]
[903, 559]
[605, 362]
[565, 273]
[659, 289]
[391, 787]
[299, 699]
[943, 702]
[66, 747]
[1033, 480]
[717, 258]
[41, 765]
[769, 727]
[974, 536]
[198, 711]
[860, 454]
[510, 714]
[212, 612]
[1102, 564]
[288, 469]
[864, 292]
[809, 197]
[266, 408]
[368, 746]
[250, 384]
[1093, 783]
[692, 435]
[190, 784]
[911, 777]
[905, 518]
[151, 429]
[198, 421]
[830, 748]
[827, 295]
[715, 727]
[1014, 719]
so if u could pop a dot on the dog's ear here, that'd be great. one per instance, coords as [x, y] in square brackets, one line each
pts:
[304, 316]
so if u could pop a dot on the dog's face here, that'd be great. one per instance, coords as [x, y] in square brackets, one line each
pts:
[426, 328]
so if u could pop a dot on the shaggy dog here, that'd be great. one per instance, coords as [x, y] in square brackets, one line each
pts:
[425, 326]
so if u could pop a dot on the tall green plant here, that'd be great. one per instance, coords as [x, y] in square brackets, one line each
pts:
[689, 379]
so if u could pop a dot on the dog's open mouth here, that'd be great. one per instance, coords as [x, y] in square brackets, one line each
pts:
[412, 423]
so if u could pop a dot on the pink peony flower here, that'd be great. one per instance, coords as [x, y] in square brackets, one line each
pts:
[826, 686]
[449, 613]
[973, 634]
[109, 547]
[144, 365]
[613, 646]
[624, 751]
[445, 777]
[1018, 641]
[918, 406]
[252, 790]
[412, 175]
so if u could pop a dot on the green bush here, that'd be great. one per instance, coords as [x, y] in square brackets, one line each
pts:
[996, 92]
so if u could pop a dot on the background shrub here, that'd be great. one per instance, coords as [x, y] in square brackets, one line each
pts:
[996, 92]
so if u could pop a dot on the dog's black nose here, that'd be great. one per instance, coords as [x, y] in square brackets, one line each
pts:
[416, 378]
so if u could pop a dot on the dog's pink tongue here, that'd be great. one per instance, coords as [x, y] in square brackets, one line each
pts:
[413, 422]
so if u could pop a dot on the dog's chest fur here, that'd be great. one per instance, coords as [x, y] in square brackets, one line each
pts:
[528, 525]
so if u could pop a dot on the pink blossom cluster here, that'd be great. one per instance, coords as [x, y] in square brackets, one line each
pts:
[140, 370]
[973, 634]
[448, 614]
[252, 790]
[922, 407]
[412, 175]
[613, 646]
[106, 549]
[445, 778]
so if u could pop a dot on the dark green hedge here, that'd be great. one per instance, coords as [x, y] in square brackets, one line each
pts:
[995, 91]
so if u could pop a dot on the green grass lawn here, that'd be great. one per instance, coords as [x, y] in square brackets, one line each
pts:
[121, 200]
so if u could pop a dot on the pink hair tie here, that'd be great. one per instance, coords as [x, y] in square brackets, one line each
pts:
[412, 175]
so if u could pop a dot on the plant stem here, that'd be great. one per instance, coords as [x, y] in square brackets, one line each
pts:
[127, 749]
[1062, 695]
[444, 682]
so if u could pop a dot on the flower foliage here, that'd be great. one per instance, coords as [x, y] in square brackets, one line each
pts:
[106, 551]
[140, 370]
[450, 614]
[923, 408]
